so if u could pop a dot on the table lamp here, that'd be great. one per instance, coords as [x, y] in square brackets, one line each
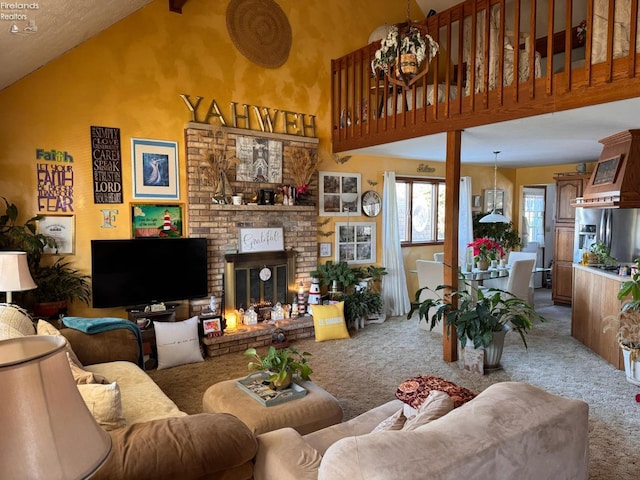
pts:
[47, 430]
[14, 273]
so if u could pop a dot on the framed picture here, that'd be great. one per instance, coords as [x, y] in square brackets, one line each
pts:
[212, 327]
[477, 201]
[149, 220]
[325, 249]
[60, 227]
[260, 160]
[494, 199]
[155, 169]
[356, 242]
[339, 193]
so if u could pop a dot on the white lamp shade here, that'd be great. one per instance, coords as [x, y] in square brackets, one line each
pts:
[494, 217]
[14, 272]
[47, 430]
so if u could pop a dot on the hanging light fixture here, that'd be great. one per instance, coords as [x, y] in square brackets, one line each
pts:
[494, 217]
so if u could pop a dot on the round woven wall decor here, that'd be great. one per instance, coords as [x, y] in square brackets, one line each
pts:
[260, 30]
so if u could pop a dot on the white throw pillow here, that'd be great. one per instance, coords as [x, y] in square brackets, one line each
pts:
[104, 404]
[436, 405]
[177, 343]
[394, 422]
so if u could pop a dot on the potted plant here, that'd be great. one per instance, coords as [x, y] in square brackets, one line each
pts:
[25, 237]
[484, 251]
[281, 364]
[336, 275]
[412, 46]
[600, 254]
[482, 318]
[360, 305]
[627, 325]
[59, 284]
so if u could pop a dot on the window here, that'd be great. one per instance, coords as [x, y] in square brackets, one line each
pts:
[420, 210]
[534, 208]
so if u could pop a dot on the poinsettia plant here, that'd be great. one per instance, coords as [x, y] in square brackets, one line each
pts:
[486, 249]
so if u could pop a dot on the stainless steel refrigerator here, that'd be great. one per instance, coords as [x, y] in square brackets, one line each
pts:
[618, 228]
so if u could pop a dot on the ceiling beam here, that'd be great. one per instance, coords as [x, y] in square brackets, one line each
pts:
[176, 5]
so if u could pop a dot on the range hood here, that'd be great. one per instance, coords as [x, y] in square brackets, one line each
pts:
[615, 181]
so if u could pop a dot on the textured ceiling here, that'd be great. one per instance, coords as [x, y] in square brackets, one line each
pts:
[60, 25]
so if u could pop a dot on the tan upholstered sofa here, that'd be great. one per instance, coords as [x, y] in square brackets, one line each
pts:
[509, 431]
[159, 441]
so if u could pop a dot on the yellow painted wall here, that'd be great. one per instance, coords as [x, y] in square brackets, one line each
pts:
[131, 75]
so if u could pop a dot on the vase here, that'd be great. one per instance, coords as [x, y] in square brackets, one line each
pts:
[408, 64]
[483, 264]
[494, 263]
[493, 351]
[631, 364]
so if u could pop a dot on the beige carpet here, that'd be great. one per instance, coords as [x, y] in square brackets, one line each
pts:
[364, 371]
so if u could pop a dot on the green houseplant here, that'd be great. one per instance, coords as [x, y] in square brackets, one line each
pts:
[503, 233]
[58, 285]
[627, 325]
[478, 316]
[281, 364]
[361, 304]
[336, 275]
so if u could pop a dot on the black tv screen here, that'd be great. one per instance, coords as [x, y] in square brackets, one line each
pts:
[147, 270]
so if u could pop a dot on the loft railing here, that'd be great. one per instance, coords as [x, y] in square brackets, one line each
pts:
[472, 81]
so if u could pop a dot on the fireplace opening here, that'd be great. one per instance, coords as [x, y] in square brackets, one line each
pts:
[244, 287]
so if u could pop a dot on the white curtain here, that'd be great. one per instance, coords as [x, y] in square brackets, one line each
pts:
[395, 294]
[465, 220]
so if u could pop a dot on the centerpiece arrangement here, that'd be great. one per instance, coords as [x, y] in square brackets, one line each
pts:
[484, 251]
[402, 53]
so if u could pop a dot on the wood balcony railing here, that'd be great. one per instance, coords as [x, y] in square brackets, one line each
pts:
[473, 82]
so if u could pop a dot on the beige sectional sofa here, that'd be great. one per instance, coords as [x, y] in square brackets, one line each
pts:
[158, 441]
[509, 431]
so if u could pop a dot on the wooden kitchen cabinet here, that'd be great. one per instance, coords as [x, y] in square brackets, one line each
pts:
[595, 297]
[568, 188]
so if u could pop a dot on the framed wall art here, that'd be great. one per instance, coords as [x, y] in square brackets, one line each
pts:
[494, 199]
[260, 160]
[339, 193]
[477, 201]
[325, 249]
[155, 169]
[62, 228]
[149, 220]
[356, 242]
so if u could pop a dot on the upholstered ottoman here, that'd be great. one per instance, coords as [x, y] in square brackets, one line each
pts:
[316, 410]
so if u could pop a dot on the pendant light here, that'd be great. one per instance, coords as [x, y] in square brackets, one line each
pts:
[494, 217]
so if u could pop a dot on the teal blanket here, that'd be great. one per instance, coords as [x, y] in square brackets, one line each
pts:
[97, 325]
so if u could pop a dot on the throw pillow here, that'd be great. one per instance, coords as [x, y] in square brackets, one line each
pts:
[416, 389]
[7, 332]
[103, 401]
[45, 328]
[177, 343]
[328, 322]
[16, 318]
[436, 405]
[394, 422]
[82, 376]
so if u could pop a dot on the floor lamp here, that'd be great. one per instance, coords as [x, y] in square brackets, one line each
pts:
[14, 273]
[47, 430]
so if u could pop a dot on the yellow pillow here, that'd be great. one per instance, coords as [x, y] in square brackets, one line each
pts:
[328, 322]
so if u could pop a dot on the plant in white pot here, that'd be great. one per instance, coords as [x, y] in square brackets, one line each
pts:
[627, 324]
[480, 317]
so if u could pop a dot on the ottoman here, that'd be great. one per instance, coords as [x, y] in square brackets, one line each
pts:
[316, 410]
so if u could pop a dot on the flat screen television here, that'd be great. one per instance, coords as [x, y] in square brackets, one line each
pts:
[147, 270]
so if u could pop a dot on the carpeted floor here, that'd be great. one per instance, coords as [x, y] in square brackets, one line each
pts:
[364, 371]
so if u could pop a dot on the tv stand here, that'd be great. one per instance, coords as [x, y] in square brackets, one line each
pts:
[149, 334]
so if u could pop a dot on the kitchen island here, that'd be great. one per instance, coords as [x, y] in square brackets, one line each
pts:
[595, 296]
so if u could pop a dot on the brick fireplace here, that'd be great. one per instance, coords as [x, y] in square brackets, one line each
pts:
[220, 223]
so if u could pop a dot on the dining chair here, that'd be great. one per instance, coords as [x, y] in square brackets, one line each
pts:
[519, 283]
[430, 274]
[438, 257]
